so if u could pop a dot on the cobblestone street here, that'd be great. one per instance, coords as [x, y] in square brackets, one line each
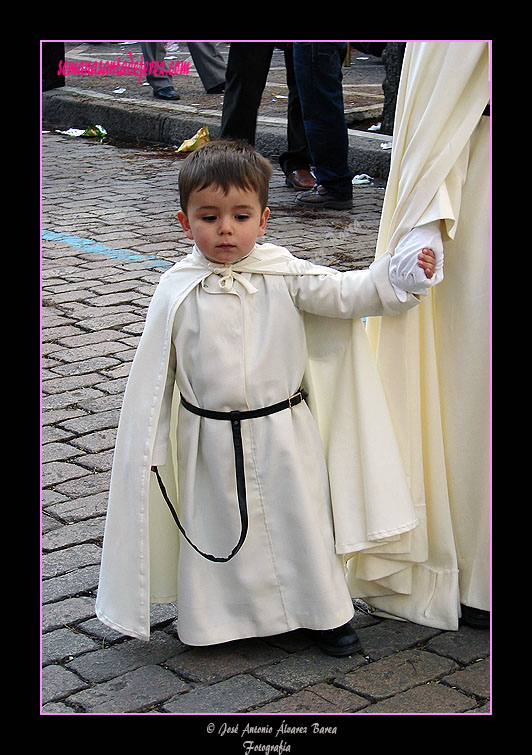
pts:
[109, 231]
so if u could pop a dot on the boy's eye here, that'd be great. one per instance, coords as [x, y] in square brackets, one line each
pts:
[213, 218]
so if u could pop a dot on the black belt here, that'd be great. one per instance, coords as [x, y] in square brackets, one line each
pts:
[235, 418]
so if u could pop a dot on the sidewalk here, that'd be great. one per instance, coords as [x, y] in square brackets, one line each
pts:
[126, 107]
[109, 231]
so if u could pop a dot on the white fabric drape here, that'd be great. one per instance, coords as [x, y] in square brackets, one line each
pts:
[435, 360]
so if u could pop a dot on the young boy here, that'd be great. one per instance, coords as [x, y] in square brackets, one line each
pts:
[270, 497]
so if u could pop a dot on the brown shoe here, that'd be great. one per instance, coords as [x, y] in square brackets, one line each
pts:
[300, 179]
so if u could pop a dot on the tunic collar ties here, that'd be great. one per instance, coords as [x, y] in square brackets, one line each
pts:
[227, 274]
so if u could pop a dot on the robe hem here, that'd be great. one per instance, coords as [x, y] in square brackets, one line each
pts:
[119, 628]
[432, 604]
[447, 624]
[379, 534]
[374, 538]
[250, 634]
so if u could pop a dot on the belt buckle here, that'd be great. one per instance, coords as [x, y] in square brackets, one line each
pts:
[292, 398]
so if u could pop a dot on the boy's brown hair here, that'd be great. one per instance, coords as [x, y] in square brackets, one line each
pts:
[225, 163]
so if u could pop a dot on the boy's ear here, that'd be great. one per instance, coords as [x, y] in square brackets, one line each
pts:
[263, 220]
[185, 225]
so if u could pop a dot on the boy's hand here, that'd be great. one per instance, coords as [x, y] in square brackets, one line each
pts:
[427, 261]
[417, 263]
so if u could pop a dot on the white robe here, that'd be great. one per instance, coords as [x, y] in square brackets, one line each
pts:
[435, 361]
[318, 488]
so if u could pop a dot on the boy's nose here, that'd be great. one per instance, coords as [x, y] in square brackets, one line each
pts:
[225, 226]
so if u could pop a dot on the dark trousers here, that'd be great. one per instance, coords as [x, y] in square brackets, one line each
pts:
[248, 65]
[318, 71]
[52, 54]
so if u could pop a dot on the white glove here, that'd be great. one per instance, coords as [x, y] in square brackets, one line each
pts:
[405, 274]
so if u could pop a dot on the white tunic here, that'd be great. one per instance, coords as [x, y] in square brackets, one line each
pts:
[318, 487]
[237, 351]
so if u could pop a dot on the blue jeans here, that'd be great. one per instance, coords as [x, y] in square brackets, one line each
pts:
[318, 69]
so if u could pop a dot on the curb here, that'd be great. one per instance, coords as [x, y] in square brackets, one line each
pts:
[170, 124]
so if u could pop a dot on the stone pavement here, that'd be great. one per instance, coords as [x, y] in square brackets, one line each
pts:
[109, 231]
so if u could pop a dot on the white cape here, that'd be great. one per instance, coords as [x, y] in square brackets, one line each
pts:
[370, 497]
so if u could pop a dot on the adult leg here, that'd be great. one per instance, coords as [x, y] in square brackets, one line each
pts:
[297, 157]
[53, 53]
[247, 70]
[209, 64]
[318, 70]
[161, 85]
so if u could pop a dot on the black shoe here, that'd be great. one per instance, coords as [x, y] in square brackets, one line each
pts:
[166, 93]
[475, 617]
[218, 89]
[319, 197]
[338, 642]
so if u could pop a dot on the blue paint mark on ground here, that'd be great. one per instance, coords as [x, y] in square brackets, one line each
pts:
[94, 247]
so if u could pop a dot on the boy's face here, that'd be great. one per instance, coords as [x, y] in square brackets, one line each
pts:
[225, 227]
